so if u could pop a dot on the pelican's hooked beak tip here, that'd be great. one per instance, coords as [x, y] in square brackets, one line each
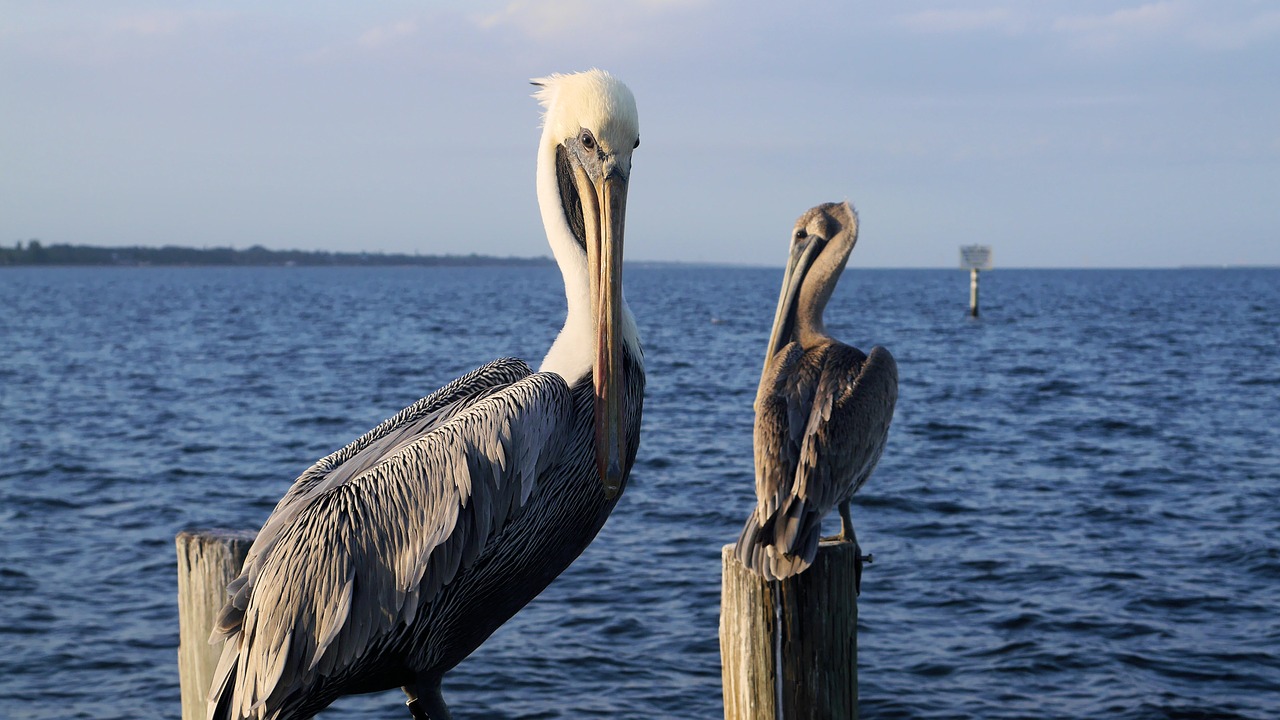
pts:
[609, 468]
[612, 484]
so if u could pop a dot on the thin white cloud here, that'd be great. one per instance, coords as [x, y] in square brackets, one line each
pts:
[565, 18]
[1204, 25]
[1109, 29]
[103, 35]
[149, 24]
[939, 22]
[384, 35]
[1236, 34]
[163, 23]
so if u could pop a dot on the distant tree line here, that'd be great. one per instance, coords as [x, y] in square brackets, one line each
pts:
[33, 252]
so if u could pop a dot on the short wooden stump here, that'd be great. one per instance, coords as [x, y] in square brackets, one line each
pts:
[207, 561]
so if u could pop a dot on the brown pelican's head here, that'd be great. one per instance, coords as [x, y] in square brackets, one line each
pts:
[590, 130]
[820, 245]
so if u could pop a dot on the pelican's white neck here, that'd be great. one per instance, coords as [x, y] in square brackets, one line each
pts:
[573, 353]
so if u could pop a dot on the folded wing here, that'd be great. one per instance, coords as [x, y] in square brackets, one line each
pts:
[368, 536]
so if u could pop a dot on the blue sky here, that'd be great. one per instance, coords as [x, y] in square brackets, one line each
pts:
[1066, 133]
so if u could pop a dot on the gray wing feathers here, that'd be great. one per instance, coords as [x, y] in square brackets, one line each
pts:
[329, 471]
[357, 563]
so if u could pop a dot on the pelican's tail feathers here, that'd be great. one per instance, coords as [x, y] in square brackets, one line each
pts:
[750, 545]
[760, 548]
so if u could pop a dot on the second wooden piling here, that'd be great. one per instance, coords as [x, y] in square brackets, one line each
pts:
[815, 617]
[207, 561]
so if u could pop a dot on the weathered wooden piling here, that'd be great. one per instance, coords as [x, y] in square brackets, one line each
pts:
[814, 615]
[207, 561]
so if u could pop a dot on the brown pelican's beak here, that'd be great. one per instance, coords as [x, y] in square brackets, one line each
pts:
[604, 210]
[803, 252]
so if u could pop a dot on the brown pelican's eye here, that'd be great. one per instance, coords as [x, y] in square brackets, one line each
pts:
[802, 234]
[587, 140]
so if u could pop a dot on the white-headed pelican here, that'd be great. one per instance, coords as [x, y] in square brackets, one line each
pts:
[391, 560]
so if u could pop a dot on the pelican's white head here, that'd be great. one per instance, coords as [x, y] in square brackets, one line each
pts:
[593, 100]
[590, 129]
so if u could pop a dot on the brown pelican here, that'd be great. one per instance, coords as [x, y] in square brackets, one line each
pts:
[822, 409]
[391, 560]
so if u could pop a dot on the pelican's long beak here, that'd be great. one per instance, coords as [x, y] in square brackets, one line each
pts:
[802, 255]
[604, 223]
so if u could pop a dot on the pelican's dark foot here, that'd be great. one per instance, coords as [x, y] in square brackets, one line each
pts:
[426, 703]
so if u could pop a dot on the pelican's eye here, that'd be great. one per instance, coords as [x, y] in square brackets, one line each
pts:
[587, 140]
[802, 234]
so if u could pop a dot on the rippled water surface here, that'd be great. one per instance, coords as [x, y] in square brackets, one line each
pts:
[1078, 514]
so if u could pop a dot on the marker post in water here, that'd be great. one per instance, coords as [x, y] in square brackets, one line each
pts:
[974, 258]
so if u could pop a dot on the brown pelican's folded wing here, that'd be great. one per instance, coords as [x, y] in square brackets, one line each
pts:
[806, 465]
[850, 423]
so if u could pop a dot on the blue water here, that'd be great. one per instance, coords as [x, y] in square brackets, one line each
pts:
[1078, 513]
